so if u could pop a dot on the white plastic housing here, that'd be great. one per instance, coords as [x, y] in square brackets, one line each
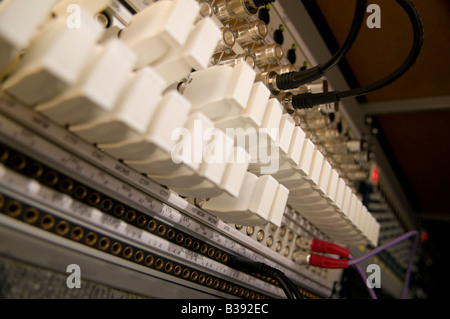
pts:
[220, 91]
[54, 60]
[272, 116]
[206, 181]
[324, 178]
[252, 115]
[132, 113]
[268, 137]
[286, 173]
[62, 8]
[185, 156]
[332, 187]
[253, 205]
[19, 22]
[352, 209]
[171, 114]
[316, 168]
[306, 159]
[98, 88]
[347, 201]
[279, 205]
[340, 193]
[231, 182]
[296, 147]
[287, 126]
[162, 26]
[235, 172]
[195, 54]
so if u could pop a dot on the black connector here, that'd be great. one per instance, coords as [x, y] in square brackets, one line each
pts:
[260, 3]
[291, 56]
[264, 15]
[254, 267]
[293, 80]
[309, 100]
[250, 266]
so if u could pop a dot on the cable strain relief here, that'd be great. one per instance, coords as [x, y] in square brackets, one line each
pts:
[269, 270]
[286, 81]
[261, 3]
[243, 264]
[309, 100]
[293, 80]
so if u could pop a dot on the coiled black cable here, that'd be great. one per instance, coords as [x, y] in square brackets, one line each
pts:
[309, 100]
[293, 80]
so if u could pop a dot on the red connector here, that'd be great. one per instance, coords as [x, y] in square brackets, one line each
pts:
[321, 246]
[327, 262]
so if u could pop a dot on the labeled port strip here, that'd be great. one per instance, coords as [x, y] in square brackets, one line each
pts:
[78, 191]
[59, 182]
[102, 241]
[66, 206]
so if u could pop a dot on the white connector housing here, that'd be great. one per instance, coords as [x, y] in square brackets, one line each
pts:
[63, 7]
[184, 157]
[332, 187]
[159, 28]
[231, 182]
[205, 182]
[195, 54]
[252, 115]
[19, 22]
[235, 172]
[346, 202]
[324, 178]
[54, 60]
[131, 114]
[253, 205]
[340, 193]
[286, 173]
[306, 159]
[272, 117]
[220, 91]
[287, 126]
[316, 168]
[279, 205]
[170, 115]
[97, 89]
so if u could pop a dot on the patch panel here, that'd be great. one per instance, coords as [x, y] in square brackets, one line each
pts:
[73, 167]
[61, 183]
[78, 151]
[136, 41]
[67, 226]
[116, 247]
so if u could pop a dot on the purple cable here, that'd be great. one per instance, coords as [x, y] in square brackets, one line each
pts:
[364, 278]
[355, 261]
[410, 264]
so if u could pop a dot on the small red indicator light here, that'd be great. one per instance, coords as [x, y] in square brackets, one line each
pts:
[424, 236]
[375, 175]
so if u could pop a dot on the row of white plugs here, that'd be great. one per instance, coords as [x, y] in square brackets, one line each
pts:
[233, 101]
[112, 94]
[238, 105]
[127, 130]
[315, 189]
[317, 192]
